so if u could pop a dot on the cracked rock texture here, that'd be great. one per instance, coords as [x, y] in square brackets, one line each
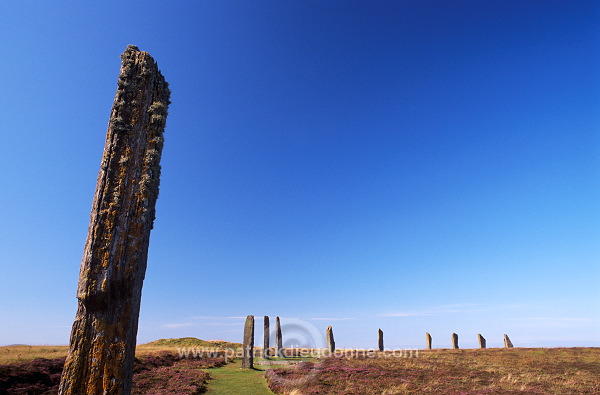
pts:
[113, 266]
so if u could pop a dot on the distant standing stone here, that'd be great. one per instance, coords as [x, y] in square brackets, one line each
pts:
[380, 339]
[330, 340]
[278, 338]
[455, 341]
[428, 340]
[266, 337]
[481, 340]
[507, 342]
[248, 351]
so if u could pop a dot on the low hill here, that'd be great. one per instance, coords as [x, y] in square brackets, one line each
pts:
[191, 342]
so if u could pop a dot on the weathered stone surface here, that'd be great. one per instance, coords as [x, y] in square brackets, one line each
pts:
[428, 340]
[103, 337]
[482, 343]
[266, 337]
[507, 342]
[380, 339]
[248, 344]
[455, 341]
[278, 338]
[330, 339]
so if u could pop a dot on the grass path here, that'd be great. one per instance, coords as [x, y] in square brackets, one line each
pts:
[232, 379]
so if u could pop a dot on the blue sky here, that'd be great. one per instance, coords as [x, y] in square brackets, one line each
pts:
[406, 165]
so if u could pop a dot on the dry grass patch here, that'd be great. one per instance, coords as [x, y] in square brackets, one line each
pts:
[22, 353]
[491, 371]
[25, 353]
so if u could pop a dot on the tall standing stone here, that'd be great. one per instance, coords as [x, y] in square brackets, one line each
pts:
[507, 342]
[455, 341]
[103, 337]
[330, 339]
[428, 340]
[482, 343]
[266, 337]
[248, 344]
[278, 338]
[380, 339]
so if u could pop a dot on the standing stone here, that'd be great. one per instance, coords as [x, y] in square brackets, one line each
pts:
[266, 337]
[380, 339]
[278, 339]
[455, 341]
[103, 337]
[248, 345]
[330, 340]
[481, 340]
[507, 342]
[428, 340]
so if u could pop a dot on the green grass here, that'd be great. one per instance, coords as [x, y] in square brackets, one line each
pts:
[232, 379]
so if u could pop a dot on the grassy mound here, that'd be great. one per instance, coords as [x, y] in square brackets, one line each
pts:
[192, 342]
